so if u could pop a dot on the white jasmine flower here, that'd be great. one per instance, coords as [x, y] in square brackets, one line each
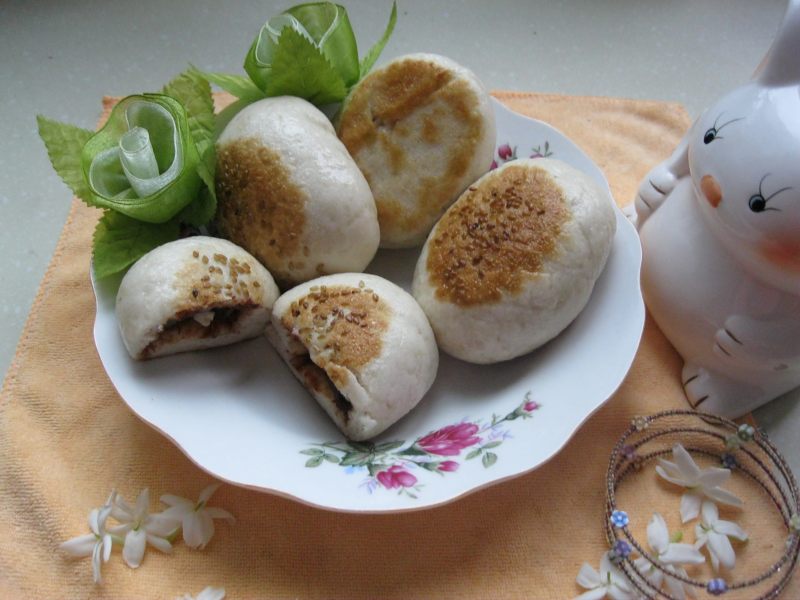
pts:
[140, 528]
[713, 533]
[96, 544]
[670, 555]
[196, 518]
[208, 593]
[609, 583]
[699, 482]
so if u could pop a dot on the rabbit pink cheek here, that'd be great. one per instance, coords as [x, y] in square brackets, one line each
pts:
[785, 255]
[711, 190]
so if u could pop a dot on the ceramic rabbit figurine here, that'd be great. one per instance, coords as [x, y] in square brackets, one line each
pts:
[720, 228]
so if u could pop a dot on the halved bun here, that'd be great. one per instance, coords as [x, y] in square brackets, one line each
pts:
[194, 293]
[361, 346]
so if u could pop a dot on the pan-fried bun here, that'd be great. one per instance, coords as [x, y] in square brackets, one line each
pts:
[514, 260]
[190, 294]
[360, 345]
[290, 194]
[421, 129]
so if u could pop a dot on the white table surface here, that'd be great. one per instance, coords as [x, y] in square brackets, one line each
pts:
[59, 58]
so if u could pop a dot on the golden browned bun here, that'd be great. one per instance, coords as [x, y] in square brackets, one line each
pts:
[421, 129]
[290, 194]
[361, 346]
[514, 260]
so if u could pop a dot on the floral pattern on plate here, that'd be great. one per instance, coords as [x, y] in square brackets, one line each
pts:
[505, 153]
[392, 465]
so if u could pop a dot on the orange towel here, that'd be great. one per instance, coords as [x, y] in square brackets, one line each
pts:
[66, 439]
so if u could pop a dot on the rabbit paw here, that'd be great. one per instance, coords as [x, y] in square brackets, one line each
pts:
[740, 339]
[713, 392]
[654, 188]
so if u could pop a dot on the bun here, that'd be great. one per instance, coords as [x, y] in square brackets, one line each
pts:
[190, 294]
[421, 130]
[360, 345]
[290, 194]
[514, 260]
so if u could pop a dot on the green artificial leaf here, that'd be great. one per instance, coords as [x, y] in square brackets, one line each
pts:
[120, 241]
[192, 90]
[329, 27]
[489, 459]
[237, 85]
[372, 56]
[300, 69]
[154, 174]
[64, 144]
[201, 210]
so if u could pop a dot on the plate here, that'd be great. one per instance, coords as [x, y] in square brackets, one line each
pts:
[239, 414]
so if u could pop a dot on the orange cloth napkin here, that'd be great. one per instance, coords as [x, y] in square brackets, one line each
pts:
[66, 439]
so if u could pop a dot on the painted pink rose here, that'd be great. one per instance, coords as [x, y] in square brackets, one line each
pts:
[448, 466]
[531, 406]
[505, 152]
[450, 440]
[395, 477]
[493, 166]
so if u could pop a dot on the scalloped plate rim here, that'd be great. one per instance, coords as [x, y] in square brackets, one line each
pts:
[626, 234]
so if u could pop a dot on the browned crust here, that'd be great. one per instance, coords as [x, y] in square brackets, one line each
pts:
[496, 236]
[260, 208]
[375, 117]
[344, 324]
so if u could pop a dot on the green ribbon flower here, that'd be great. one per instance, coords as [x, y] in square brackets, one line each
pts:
[151, 167]
[143, 162]
[308, 51]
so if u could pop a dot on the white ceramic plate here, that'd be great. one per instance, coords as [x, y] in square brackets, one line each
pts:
[238, 413]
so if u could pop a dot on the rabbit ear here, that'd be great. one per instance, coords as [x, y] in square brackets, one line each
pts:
[781, 65]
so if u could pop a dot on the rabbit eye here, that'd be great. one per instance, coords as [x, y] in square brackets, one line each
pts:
[757, 203]
[712, 133]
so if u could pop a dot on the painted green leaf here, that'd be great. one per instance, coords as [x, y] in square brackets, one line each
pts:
[361, 446]
[312, 452]
[355, 459]
[489, 459]
[494, 444]
[331, 458]
[473, 454]
[314, 461]
[388, 446]
[413, 450]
